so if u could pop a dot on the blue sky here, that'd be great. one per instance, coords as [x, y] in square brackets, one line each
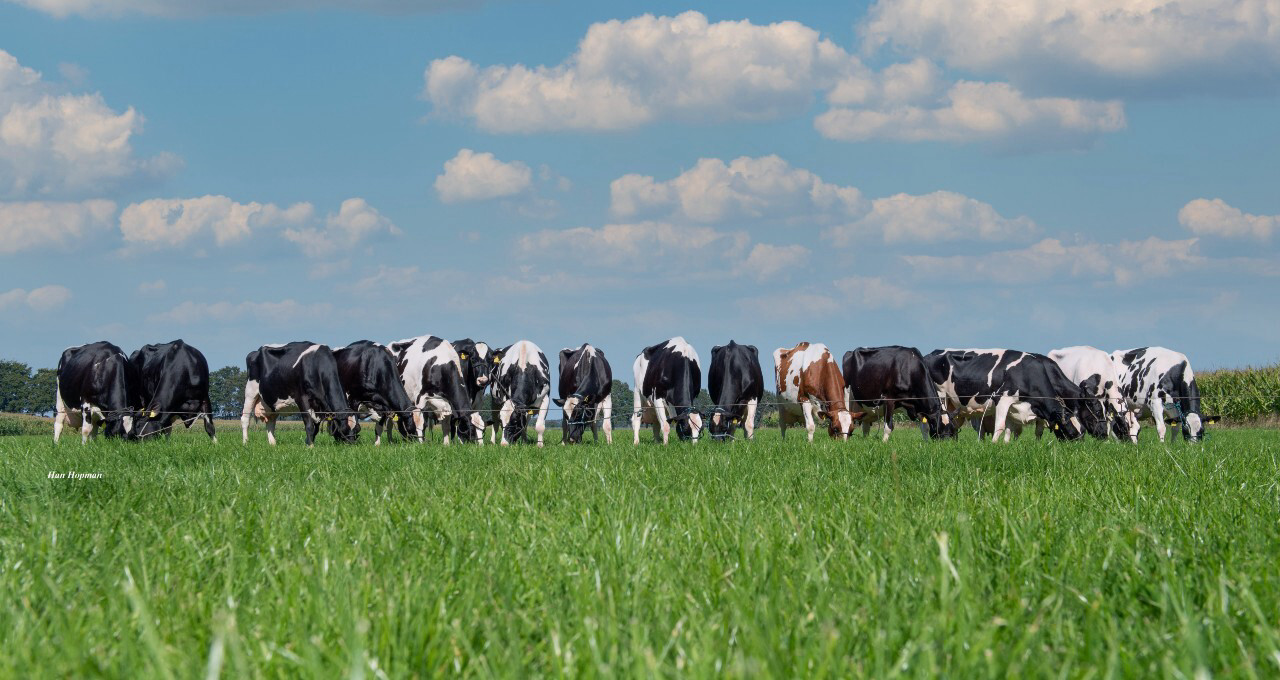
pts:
[924, 172]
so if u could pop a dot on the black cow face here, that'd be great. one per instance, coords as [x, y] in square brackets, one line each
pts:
[579, 412]
[113, 425]
[1093, 417]
[1120, 426]
[345, 429]
[722, 424]
[1063, 427]
[939, 429]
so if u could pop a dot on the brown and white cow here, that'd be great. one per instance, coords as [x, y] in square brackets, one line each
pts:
[809, 381]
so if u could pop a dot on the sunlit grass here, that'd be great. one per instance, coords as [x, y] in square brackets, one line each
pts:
[746, 559]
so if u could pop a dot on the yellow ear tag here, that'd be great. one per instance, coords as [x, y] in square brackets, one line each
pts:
[924, 420]
[735, 420]
[328, 417]
[462, 356]
[532, 412]
[395, 418]
[1055, 427]
[497, 360]
[154, 414]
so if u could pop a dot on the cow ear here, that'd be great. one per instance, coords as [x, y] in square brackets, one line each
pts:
[558, 402]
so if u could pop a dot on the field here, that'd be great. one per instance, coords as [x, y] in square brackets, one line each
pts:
[769, 558]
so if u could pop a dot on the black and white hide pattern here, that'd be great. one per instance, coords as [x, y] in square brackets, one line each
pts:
[1012, 389]
[521, 390]
[1093, 370]
[1158, 383]
[432, 375]
[297, 377]
[174, 388]
[668, 376]
[97, 387]
[736, 384]
[372, 384]
[477, 373]
[880, 380]
[586, 393]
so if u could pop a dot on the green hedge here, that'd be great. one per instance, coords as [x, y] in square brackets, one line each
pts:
[1241, 395]
[17, 425]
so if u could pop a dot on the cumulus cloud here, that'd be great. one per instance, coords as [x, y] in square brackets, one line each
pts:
[1051, 258]
[635, 245]
[1216, 218]
[839, 296]
[471, 176]
[994, 113]
[60, 145]
[1106, 46]
[713, 191]
[149, 287]
[44, 298]
[766, 261]
[873, 292]
[628, 73]
[172, 222]
[283, 311]
[195, 8]
[938, 216]
[32, 225]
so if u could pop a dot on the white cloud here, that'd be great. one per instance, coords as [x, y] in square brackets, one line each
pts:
[1216, 218]
[208, 220]
[837, 297]
[628, 73]
[766, 261]
[873, 292]
[471, 176]
[1109, 46]
[149, 287]
[44, 298]
[938, 216]
[1050, 259]
[66, 144]
[634, 245]
[284, 311]
[713, 191]
[195, 8]
[995, 113]
[32, 225]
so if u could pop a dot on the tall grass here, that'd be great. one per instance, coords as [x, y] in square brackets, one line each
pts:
[1241, 395]
[772, 557]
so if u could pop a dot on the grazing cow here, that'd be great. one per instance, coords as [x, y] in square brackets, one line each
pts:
[809, 379]
[1001, 382]
[297, 377]
[174, 387]
[586, 390]
[477, 367]
[882, 379]
[521, 388]
[1159, 382]
[96, 385]
[736, 384]
[372, 384]
[432, 374]
[668, 376]
[1093, 371]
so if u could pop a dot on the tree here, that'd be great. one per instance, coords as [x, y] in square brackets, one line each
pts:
[623, 402]
[14, 376]
[39, 395]
[226, 391]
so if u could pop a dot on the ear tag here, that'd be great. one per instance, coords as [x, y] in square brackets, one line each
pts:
[154, 414]
[1055, 427]
[395, 418]
[462, 356]
[735, 421]
[924, 420]
[532, 412]
[497, 360]
[328, 417]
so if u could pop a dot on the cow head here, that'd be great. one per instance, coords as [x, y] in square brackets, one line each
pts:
[122, 424]
[1093, 417]
[688, 424]
[1065, 425]
[840, 423]
[150, 422]
[722, 423]
[477, 365]
[1193, 427]
[344, 428]
[938, 425]
[579, 412]
[1123, 424]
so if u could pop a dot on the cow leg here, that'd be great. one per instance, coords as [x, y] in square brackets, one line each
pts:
[504, 417]
[418, 423]
[86, 425]
[749, 425]
[311, 426]
[606, 411]
[867, 421]
[660, 411]
[807, 408]
[637, 406]
[61, 416]
[1003, 404]
[271, 429]
[1157, 414]
[541, 425]
[1039, 428]
[888, 419]
[379, 423]
[251, 398]
[782, 421]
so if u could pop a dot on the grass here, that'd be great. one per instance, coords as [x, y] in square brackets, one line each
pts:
[748, 559]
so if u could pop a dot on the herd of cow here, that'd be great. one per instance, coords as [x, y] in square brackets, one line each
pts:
[406, 385]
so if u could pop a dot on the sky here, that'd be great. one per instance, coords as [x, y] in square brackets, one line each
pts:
[933, 173]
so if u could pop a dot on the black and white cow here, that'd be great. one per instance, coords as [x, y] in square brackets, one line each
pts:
[477, 367]
[736, 384]
[369, 377]
[1014, 389]
[297, 377]
[882, 379]
[586, 391]
[1093, 371]
[668, 376]
[1158, 382]
[521, 389]
[432, 375]
[96, 385]
[174, 387]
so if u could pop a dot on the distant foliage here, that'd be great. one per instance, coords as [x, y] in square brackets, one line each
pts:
[1241, 395]
[21, 391]
[226, 391]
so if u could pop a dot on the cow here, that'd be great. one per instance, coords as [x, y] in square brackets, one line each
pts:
[477, 369]
[432, 375]
[809, 384]
[586, 391]
[1158, 382]
[883, 379]
[996, 383]
[1093, 371]
[521, 389]
[96, 386]
[668, 376]
[736, 384]
[367, 371]
[174, 387]
[297, 377]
